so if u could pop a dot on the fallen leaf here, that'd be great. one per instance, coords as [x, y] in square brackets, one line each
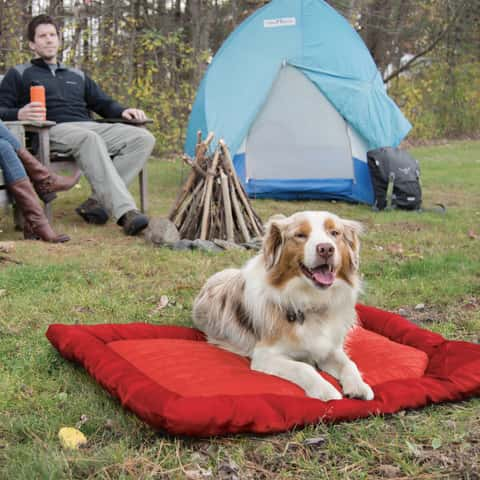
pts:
[414, 255]
[7, 247]
[71, 438]
[160, 305]
[414, 449]
[81, 309]
[315, 441]
[396, 249]
[198, 474]
[389, 471]
[228, 471]
[83, 420]
[451, 425]
[436, 443]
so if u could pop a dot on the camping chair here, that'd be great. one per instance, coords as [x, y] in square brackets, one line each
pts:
[59, 163]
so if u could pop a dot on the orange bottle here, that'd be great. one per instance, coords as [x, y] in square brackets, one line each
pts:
[37, 94]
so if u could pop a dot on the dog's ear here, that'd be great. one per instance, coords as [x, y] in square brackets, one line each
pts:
[352, 230]
[273, 240]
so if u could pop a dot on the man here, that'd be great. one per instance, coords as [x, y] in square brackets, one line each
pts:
[110, 155]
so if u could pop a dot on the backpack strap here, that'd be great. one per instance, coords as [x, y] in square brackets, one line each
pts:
[389, 193]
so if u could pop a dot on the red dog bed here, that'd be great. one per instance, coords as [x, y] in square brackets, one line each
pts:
[175, 381]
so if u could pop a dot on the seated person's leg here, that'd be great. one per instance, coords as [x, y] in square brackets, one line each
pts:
[36, 224]
[7, 135]
[10, 164]
[130, 147]
[90, 152]
[46, 183]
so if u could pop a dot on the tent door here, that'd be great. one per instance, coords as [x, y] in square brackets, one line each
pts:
[298, 134]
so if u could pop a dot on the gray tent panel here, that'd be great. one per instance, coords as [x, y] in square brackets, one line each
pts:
[298, 134]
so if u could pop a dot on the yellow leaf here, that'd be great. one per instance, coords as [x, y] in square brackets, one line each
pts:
[71, 438]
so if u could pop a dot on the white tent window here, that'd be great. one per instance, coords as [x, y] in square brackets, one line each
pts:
[298, 134]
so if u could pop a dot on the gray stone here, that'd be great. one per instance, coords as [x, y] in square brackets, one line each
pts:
[161, 231]
[183, 244]
[420, 306]
[206, 245]
[226, 245]
[254, 244]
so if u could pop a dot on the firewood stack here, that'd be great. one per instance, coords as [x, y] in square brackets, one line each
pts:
[212, 203]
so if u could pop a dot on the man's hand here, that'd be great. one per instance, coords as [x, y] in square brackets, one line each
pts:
[33, 112]
[134, 114]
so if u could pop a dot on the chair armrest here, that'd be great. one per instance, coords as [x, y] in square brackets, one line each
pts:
[42, 129]
[124, 120]
[31, 124]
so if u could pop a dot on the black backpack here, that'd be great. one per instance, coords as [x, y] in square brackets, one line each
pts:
[396, 171]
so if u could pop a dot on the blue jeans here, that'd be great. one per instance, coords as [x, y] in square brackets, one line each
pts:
[9, 162]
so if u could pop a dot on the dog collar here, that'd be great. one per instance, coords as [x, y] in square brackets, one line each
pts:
[295, 316]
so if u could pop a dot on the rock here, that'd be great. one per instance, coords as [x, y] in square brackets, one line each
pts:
[161, 231]
[420, 306]
[205, 245]
[227, 245]
[183, 244]
[254, 244]
[402, 312]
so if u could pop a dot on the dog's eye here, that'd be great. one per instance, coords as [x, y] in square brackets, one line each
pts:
[300, 235]
[334, 233]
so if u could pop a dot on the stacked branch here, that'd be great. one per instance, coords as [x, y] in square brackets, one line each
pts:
[212, 203]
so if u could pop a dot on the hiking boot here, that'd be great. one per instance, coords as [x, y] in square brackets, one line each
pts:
[45, 182]
[133, 222]
[92, 212]
[36, 226]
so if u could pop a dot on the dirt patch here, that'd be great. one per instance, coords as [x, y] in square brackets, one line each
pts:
[460, 313]
[421, 315]
[405, 226]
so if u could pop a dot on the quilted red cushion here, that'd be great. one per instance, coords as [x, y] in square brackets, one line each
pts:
[172, 379]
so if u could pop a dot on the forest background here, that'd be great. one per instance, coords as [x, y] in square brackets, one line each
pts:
[153, 53]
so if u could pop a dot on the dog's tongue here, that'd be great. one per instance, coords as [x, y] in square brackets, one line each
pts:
[323, 276]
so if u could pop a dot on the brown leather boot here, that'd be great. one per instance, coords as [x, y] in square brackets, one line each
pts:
[36, 226]
[46, 183]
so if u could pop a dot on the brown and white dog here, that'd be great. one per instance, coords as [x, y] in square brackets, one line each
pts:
[290, 307]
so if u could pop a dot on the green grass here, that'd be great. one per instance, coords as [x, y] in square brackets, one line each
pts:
[102, 276]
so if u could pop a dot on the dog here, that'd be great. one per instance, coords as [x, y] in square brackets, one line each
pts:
[290, 307]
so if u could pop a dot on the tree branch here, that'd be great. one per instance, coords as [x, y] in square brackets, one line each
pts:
[429, 48]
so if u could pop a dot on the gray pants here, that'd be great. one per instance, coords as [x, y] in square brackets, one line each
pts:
[110, 155]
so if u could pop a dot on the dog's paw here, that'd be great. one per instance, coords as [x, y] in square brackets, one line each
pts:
[358, 390]
[323, 391]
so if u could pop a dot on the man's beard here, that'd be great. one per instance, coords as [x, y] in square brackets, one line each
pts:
[49, 57]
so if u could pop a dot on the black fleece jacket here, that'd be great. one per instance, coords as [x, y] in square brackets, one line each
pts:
[70, 93]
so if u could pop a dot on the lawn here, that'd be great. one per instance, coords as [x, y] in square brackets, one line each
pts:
[101, 276]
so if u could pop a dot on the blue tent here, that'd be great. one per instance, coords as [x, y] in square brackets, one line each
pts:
[298, 99]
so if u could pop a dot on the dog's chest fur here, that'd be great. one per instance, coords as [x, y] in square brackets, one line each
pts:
[317, 329]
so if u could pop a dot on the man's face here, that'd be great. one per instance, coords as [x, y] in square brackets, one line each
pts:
[46, 42]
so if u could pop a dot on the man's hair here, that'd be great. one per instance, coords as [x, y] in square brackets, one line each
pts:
[39, 20]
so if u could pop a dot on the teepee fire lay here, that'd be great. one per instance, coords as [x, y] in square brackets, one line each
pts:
[212, 203]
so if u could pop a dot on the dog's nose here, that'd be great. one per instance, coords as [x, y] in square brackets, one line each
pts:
[325, 250]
